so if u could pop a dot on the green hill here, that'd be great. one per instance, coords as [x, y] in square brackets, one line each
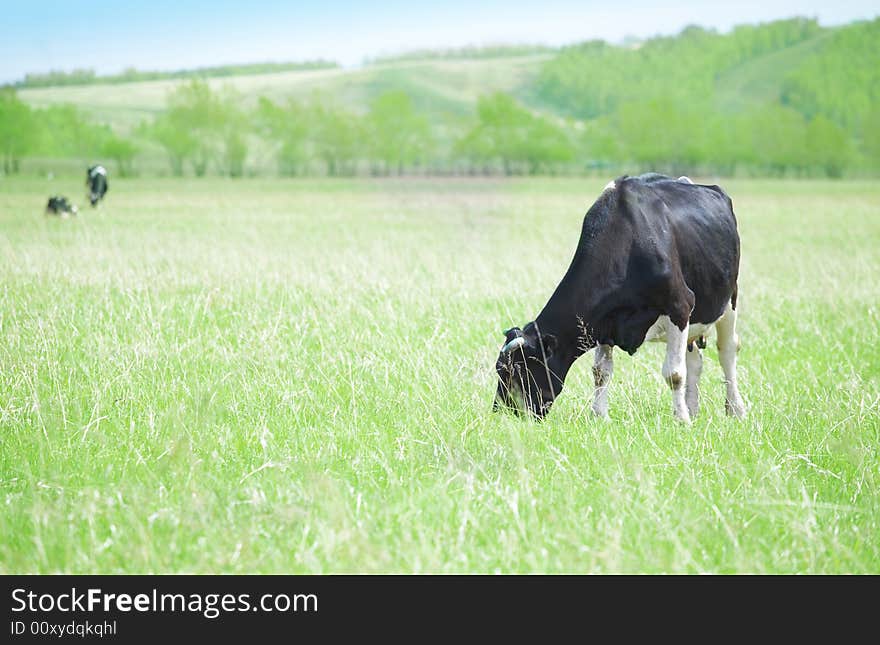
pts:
[435, 85]
[760, 80]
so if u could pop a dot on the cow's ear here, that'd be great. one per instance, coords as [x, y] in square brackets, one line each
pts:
[513, 332]
[551, 344]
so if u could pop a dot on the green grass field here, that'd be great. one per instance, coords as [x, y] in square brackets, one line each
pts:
[296, 376]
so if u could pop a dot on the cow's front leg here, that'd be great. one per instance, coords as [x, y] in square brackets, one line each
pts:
[603, 368]
[675, 368]
[694, 362]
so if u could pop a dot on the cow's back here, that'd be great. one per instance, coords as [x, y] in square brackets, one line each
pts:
[691, 229]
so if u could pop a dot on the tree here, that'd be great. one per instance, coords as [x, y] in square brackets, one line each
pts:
[285, 128]
[662, 134]
[871, 137]
[234, 152]
[168, 131]
[509, 134]
[335, 137]
[827, 146]
[230, 131]
[192, 106]
[201, 126]
[600, 145]
[778, 139]
[65, 132]
[399, 137]
[187, 129]
[19, 130]
[123, 152]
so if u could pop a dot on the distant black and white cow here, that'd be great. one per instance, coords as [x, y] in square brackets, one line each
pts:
[658, 259]
[59, 205]
[96, 180]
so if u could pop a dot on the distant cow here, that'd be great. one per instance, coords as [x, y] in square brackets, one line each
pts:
[59, 205]
[658, 259]
[96, 180]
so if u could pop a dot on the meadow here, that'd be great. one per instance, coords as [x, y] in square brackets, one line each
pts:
[296, 376]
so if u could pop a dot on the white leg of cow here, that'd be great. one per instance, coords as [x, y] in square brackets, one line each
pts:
[694, 362]
[675, 368]
[603, 368]
[728, 346]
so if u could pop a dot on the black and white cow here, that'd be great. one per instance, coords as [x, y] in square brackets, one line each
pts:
[59, 205]
[96, 180]
[658, 259]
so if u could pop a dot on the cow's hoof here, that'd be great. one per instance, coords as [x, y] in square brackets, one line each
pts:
[682, 417]
[736, 409]
[602, 415]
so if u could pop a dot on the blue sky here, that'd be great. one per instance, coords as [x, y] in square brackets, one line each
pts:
[161, 34]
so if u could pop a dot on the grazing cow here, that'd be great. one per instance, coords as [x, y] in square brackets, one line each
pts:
[96, 180]
[59, 205]
[658, 259]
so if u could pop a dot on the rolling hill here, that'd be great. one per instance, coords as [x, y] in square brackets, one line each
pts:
[435, 85]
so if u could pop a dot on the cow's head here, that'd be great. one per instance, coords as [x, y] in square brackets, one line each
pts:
[530, 371]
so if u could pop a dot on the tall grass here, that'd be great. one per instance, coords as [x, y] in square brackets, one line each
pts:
[296, 376]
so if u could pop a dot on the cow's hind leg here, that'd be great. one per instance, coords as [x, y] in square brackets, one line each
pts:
[603, 368]
[675, 367]
[694, 362]
[728, 346]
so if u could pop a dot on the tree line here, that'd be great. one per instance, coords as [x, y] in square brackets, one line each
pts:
[59, 131]
[133, 75]
[467, 52]
[201, 128]
[204, 130]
